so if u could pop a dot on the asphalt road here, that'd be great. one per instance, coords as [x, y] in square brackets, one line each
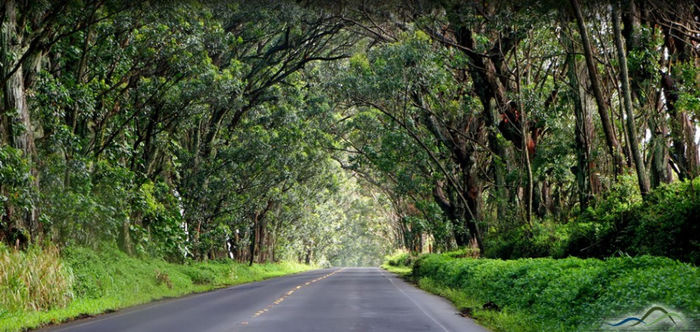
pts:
[348, 299]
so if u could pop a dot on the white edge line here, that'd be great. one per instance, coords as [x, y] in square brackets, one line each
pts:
[414, 302]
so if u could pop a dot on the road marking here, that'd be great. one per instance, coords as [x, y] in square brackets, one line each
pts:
[289, 293]
[414, 302]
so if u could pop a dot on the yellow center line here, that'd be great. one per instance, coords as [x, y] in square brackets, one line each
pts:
[278, 301]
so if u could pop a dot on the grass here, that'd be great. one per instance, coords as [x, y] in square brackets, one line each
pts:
[558, 294]
[399, 262]
[402, 271]
[109, 280]
[33, 280]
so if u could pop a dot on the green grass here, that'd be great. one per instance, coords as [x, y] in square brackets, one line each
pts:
[398, 262]
[559, 294]
[33, 279]
[110, 280]
[403, 271]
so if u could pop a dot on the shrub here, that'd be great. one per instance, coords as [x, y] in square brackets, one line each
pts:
[398, 258]
[620, 224]
[464, 253]
[565, 294]
[542, 239]
[34, 279]
[163, 278]
[662, 225]
[200, 276]
[90, 270]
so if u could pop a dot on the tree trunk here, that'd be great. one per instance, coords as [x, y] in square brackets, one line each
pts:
[681, 50]
[473, 209]
[307, 257]
[125, 238]
[529, 190]
[258, 232]
[499, 160]
[583, 132]
[610, 139]
[16, 120]
[627, 101]
[660, 171]
[685, 151]
[253, 239]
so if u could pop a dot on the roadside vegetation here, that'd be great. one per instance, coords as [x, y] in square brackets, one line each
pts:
[41, 286]
[546, 294]
[622, 223]
[399, 262]
[165, 145]
[562, 293]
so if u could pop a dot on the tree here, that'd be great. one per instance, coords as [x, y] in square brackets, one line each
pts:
[627, 101]
[603, 111]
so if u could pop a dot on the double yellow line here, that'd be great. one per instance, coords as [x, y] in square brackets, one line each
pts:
[288, 294]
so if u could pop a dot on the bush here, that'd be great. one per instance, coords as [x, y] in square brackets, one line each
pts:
[662, 225]
[564, 294]
[620, 224]
[542, 239]
[398, 258]
[34, 279]
[464, 253]
[200, 276]
[162, 278]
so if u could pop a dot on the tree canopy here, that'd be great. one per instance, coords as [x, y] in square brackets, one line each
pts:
[268, 130]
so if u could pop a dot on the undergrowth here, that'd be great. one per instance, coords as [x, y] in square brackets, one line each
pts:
[34, 279]
[40, 286]
[664, 224]
[545, 294]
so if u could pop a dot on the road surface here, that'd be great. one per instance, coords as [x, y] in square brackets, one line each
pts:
[347, 299]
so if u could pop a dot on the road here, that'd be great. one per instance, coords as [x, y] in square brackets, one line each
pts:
[347, 299]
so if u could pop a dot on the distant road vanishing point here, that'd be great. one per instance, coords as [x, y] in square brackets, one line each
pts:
[347, 299]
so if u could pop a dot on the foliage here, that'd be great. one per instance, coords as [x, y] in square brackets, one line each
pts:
[398, 258]
[399, 262]
[40, 287]
[15, 177]
[33, 280]
[560, 294]
[661, 225]
[688, 96]
[215, 129]
[180, 132]
[620, 224]
[261, 131]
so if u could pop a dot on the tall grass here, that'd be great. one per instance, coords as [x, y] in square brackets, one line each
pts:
[40, 286]
[34, 279]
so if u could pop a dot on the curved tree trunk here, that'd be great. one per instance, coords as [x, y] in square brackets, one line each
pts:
[613, 145]
[627, 101]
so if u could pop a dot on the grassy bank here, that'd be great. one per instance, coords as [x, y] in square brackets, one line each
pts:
[545, 294]
[41, 286]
